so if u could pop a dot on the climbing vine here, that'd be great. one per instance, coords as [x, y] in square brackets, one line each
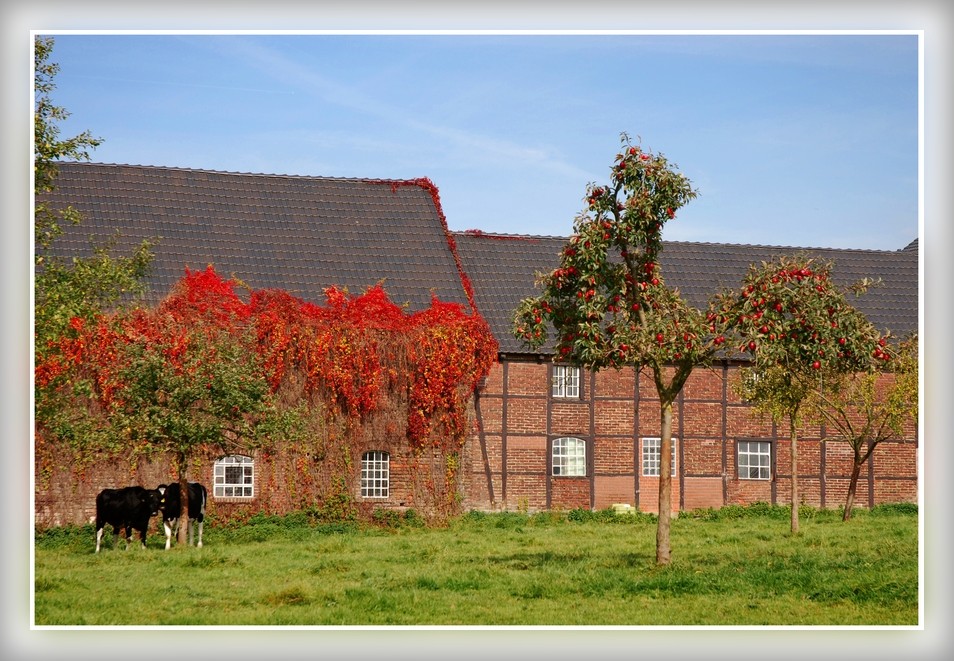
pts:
[363, 365]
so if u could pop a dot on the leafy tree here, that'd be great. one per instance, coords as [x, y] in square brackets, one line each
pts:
[608, 302]
[173, 380]
[798, 327]
[83, 286]
[864, 411]
[186, 389]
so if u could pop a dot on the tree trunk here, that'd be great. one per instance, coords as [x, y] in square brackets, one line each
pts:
[793, 422]
[663, 552]
[183, 504]
[852, 487]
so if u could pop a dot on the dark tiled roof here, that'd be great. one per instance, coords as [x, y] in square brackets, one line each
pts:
[300, 234]
[502, 269]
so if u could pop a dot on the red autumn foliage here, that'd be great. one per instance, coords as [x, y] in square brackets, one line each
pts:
[352, 351]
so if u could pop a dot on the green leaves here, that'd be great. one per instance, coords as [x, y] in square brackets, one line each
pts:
[607, 299]
[188, 387]
[789, 313]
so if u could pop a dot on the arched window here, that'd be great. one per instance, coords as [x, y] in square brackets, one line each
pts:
[375, 474]
[234, 477]
[569, 457]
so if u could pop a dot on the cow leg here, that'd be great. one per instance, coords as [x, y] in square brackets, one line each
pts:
[168, 528]
[142, 537]
[99, 538]
[191, 525]
[199, 524]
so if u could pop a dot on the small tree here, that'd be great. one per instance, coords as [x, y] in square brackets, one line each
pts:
[184, 389]
[798, 327]
[864, 411]
[168, 380]
[607, 300]
[187, 376]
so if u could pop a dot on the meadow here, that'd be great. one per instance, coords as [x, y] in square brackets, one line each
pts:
[735, 566]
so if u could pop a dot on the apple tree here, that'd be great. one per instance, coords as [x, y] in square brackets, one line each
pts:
[799, 330]
[867, 408]
[608, 303]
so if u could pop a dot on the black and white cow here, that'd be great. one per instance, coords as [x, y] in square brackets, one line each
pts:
[129, 508]
[171, 506]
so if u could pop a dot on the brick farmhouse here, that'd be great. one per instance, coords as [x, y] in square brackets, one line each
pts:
[545, 435]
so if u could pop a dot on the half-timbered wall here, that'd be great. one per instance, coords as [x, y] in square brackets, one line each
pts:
[509, 465]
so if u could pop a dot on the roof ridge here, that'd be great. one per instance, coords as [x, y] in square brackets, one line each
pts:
[507, 235]
[763, 245]
[177, 168]
[530, 237]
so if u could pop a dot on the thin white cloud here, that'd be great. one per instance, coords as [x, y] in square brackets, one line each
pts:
[311, 83]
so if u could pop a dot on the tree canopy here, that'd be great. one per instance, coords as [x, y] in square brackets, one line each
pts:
[607, 300]
[799, 330]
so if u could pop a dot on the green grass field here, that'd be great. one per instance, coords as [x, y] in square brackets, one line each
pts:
[732, 567]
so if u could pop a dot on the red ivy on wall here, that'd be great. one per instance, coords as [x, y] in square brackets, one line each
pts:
[352, 351]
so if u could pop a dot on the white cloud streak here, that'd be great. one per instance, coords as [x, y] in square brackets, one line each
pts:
[311, 83]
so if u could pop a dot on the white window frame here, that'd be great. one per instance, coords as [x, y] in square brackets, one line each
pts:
[566, 382]
[568, 455]
[234, 477]
[761, 452]
[651, 454]
[375, 474]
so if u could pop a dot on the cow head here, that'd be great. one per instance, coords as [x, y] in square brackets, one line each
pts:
[161, 490]
[154, 499]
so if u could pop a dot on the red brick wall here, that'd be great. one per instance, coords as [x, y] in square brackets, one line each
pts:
[703, 492]
[613, 489]
[570, 493]
[708, 420]
[505, 463]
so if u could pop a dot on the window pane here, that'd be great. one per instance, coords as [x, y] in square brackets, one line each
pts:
[569, 457]
[755, 460]
[566, 381]
[375, 474]
[652, 451]
[234, 477]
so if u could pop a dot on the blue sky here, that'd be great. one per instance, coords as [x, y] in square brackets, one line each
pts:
[793, 139]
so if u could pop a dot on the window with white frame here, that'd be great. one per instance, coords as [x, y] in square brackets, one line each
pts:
[569, 457]
[755, 460]
[652, 455]
[566, 381]
[375, 474]
[234, 477]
